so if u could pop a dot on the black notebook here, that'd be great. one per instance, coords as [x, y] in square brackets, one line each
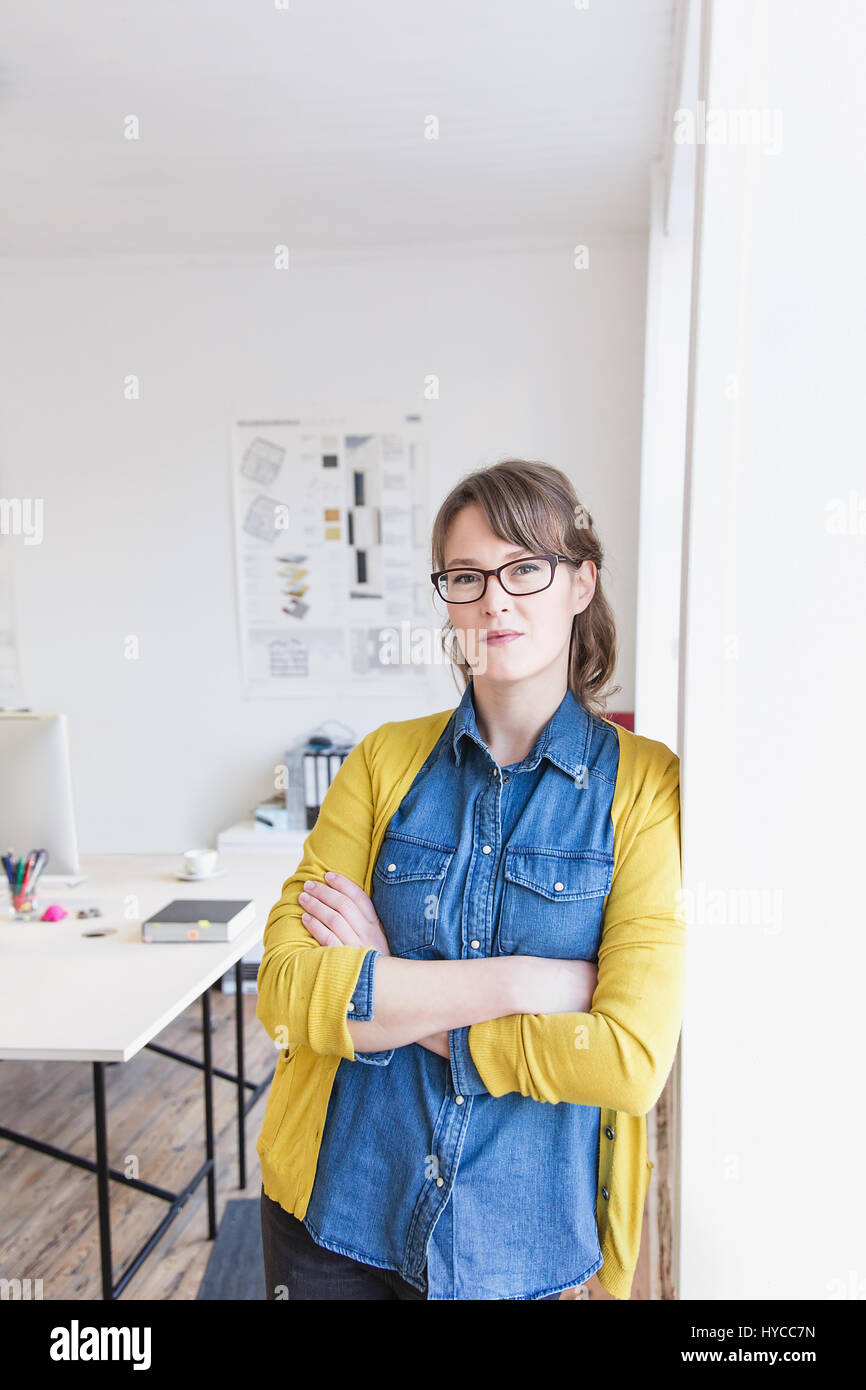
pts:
[199, 919]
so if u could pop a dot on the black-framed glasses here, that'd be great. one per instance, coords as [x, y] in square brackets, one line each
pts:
[528, 575]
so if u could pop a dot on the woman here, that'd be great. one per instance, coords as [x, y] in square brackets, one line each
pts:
[487, 917]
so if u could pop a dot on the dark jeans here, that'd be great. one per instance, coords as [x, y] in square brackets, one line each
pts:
[301, 1269]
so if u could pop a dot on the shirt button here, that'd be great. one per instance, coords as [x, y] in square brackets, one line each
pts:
[351, 1003]
[485, 849]
[440, 1182]
[458, 1100]
[558, 887]
[475, 945]
[605, 1194]
[608, 1131]
[505, 779]
[391, 868]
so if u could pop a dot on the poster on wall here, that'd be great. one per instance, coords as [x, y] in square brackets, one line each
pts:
[331, 546]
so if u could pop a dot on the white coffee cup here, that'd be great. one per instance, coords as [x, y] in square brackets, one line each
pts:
[199, 863]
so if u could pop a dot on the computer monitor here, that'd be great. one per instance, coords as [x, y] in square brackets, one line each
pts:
[36, 806]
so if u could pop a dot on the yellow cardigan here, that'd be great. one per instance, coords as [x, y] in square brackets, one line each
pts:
[619, 1060]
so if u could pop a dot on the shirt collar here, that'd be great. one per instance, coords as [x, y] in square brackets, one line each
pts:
[564, 740]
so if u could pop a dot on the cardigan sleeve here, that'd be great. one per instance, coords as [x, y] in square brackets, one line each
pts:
[619, 1054]
[304, 988]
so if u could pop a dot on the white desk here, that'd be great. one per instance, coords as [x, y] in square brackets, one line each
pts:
[65, 996]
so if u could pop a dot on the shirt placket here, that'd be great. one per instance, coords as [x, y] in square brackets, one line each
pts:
[449, 1135]
[453, 1120]
[476, 928]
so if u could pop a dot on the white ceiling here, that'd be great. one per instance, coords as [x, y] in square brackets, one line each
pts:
[305, 125]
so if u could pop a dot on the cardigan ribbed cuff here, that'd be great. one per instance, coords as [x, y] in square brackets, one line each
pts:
[332, 990]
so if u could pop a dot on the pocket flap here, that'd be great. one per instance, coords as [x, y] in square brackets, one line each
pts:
[580, 873]
[403, 860]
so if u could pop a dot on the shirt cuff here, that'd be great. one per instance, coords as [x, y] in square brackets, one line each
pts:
[362, 1010]
[362, 998]
[465, 1076]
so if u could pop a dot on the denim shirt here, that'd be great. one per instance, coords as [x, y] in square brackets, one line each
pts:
[421, 1170]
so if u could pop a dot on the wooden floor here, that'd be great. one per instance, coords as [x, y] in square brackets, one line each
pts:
[48, 1219]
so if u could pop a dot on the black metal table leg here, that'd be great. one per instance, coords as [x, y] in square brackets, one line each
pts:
[102, 1177]
[241, 1086]
[208, 1114]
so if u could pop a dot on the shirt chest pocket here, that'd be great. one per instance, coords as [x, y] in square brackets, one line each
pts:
[552, 902]
[407, 884]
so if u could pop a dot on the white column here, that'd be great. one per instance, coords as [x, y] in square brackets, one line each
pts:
[773, 652]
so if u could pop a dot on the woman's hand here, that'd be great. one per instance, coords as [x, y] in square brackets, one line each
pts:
[339, 913]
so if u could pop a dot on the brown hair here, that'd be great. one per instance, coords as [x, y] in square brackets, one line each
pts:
[534, 504]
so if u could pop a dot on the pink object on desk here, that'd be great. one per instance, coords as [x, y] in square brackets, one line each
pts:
[53, 913]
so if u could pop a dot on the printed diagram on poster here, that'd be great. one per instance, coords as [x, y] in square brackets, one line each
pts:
[331, 542]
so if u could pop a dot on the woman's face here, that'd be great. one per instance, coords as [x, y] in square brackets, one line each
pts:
[542, 621]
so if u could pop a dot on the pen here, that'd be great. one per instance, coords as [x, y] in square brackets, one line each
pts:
[40, 856]
[27, 877]
[41, 861]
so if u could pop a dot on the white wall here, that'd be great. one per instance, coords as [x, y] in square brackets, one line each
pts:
[535, 358]
[774, 759]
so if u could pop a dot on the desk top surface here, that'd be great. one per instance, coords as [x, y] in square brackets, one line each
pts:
[65, 996]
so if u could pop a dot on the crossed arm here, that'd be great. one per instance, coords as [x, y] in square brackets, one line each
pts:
[421, 1001]
[526, 1032]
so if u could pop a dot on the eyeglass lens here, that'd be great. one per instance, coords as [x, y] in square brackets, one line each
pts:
[523, 577]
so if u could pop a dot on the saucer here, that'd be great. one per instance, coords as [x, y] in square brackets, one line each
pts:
[199, 878]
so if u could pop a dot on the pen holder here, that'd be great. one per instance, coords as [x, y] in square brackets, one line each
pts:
[24, 905]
